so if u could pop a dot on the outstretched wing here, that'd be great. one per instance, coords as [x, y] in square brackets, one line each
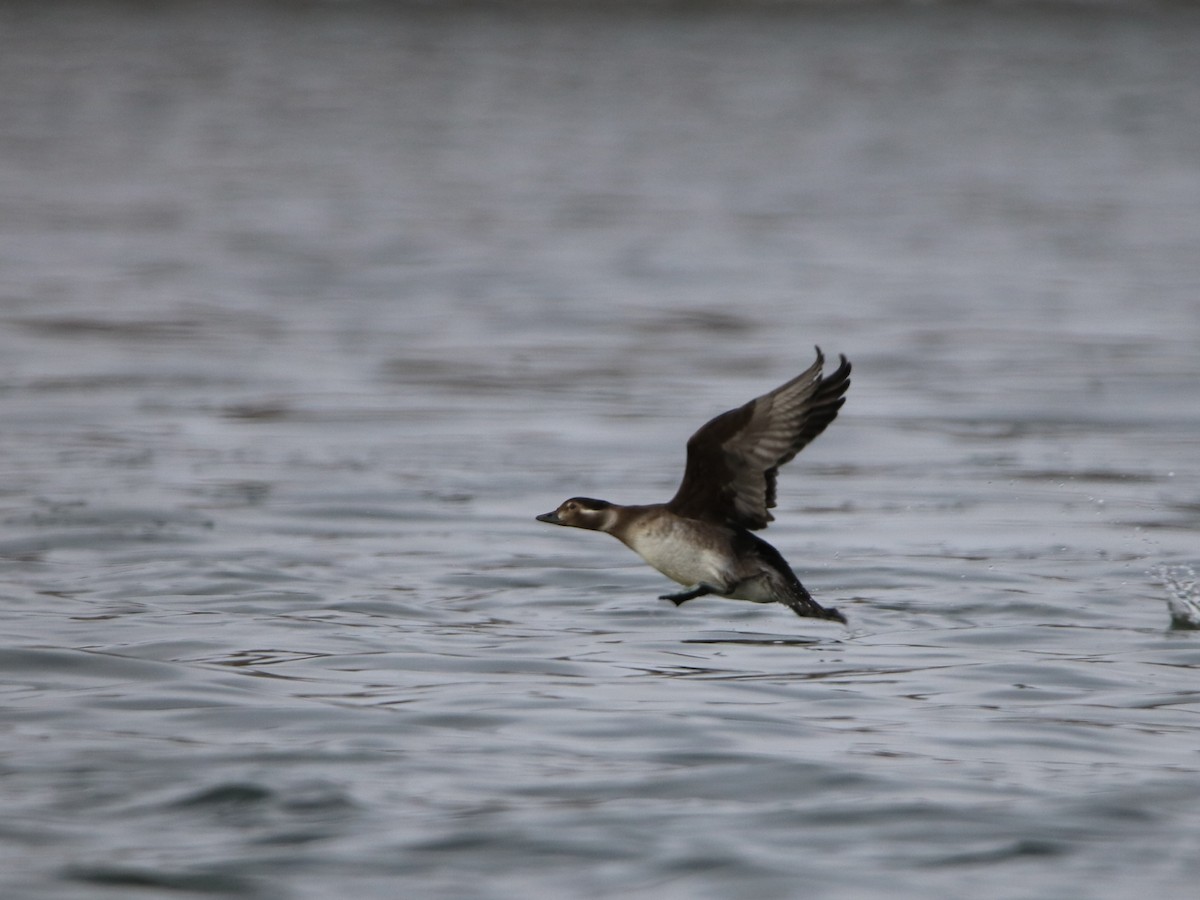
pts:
[733, 460]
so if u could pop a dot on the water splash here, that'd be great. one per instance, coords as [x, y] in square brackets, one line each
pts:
[1183, 597]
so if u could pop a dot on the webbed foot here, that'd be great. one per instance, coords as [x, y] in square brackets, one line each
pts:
[698, 591]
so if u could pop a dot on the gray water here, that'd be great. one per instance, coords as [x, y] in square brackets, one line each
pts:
[307, 310]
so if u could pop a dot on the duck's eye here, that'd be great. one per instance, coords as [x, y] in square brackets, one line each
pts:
[571, 507]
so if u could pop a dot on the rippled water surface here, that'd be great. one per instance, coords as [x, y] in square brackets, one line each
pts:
[307, 310]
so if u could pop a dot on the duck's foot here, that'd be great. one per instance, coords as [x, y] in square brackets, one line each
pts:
[698, 591]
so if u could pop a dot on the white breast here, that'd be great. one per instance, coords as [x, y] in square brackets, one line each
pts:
[683, 554]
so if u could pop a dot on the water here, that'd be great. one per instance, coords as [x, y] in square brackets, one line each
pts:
[307, 311]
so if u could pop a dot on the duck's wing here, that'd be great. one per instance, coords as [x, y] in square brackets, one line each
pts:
[733, 460]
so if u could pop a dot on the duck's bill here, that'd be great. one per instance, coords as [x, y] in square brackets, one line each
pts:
[551, 517]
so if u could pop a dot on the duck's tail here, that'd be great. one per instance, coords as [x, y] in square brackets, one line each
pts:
[800, 602]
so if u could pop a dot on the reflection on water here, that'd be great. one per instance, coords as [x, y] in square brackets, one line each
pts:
[306, 312]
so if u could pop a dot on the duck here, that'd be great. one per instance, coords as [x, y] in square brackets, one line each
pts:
[703, 538]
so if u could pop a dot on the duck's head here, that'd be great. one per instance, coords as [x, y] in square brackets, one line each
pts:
[582, 512]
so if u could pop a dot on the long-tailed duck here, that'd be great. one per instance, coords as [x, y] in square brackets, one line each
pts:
[702, 537]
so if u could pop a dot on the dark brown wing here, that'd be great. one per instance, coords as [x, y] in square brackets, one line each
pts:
[732, 461]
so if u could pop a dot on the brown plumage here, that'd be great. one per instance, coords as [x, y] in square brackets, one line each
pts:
[733, 460]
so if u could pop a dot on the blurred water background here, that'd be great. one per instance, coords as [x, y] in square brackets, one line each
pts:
[306, 310]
